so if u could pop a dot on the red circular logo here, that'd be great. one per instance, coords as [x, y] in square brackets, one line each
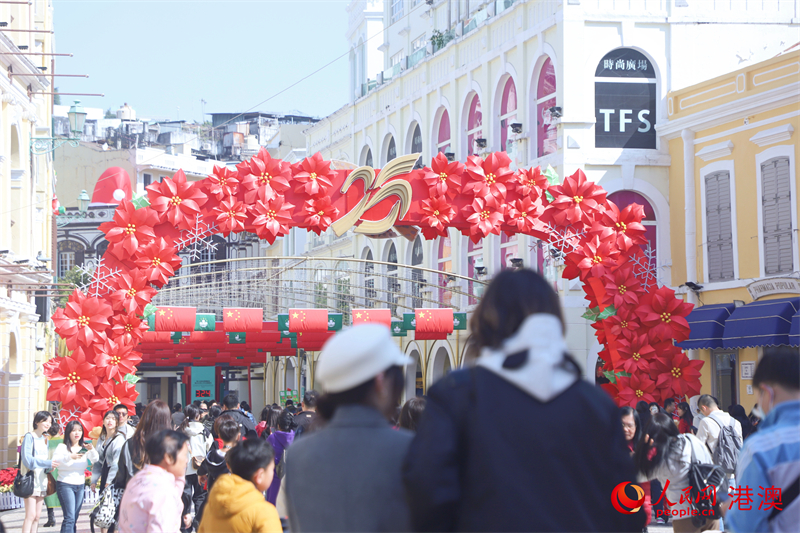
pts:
[620, 500]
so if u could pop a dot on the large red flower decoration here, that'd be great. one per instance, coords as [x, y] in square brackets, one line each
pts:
[129, 229]
[627, 224]
[624, 323]
[72, 379]
[530, 182]
[622, 287]
[594, 259]
[485, 215]
[665, 315]
[675, 373]
[263, 177]
[270, 220]
[437, 213]
[444, 177]
[116, 359]
[159, 262]
[315, 175]
[523, 214]
[177, 200]
[231, 216]
[128, 328]
[319, 214]
[222, 183]
[131, 292]
[111, 394]
[83, 320]
[575, 200]
[636, 388]
[488, 176]
[636, 353]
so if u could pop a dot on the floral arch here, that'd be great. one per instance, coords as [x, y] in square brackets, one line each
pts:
[635, 320]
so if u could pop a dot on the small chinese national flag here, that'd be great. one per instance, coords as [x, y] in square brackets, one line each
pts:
[375, 316]
[301, 320]
[175, 319]
[434, 321]
[240, 320]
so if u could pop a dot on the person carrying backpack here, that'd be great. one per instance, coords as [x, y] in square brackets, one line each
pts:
[721, 433]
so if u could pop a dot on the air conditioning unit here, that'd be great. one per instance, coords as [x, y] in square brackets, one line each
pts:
[207, 147]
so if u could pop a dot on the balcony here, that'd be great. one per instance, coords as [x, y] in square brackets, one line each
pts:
[416, 57]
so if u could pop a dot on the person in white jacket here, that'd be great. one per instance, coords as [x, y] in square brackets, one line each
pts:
[200, 441]
[73, 456]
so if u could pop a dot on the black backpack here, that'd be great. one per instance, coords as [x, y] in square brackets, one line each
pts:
[729, 443]
[701, 477]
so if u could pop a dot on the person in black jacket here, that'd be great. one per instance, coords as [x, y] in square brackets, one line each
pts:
[230, 405]
[551, 463]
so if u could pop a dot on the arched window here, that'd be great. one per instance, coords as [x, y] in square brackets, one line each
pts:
[391, 150]
[392, 285]
[370, 294]
[445, 264]
[474, 125]
[70, 254]
[367, 161]
[508, 112]
[416, 141]
[443, 139]
[416, 274]
[625, 198]
[545, 99]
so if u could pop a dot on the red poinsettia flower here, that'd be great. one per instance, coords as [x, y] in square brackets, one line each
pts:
[116, 359]
[627, 224]
[90, 419]
[575, 200]
[131, 292]
[262, 177]
[523, 214]
[665, 315]
[622, 287]
[222, 183]
[231, 216]
[319, 214]
[110, 394]
[129, 229]
[625, 323]
[437, 213]
[488, 176]
[71, 379]
[635, 353]
[270, 220]
[613, 390]
[444, 177]
[675, 373]
[636, 388]
[83, 320]
[530, 182]
[315, 175]
[159, 262]
[128, 328]
[594, 258]
[177, 200]
[485, 215]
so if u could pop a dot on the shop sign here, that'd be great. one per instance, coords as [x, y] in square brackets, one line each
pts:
[768, 287]
[625, 101]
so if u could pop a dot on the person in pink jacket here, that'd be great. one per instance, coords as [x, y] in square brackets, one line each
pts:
[152, 500]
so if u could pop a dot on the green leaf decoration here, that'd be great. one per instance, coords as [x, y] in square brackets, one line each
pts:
[552, 176]
[549, 196]
[140, 201]
[610, 376]
[591, 314]
[149, 310]
[130, 378]
[607, 312]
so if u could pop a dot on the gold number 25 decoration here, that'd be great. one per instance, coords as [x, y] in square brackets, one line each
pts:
[374, 193]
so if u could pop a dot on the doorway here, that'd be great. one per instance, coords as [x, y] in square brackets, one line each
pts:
[726, 379]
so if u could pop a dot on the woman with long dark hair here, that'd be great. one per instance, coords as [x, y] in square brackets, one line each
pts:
[738, 412]
[133, 457]
[632, 430]
[73, 456]
[34, 456]
[411, 413]
[686, 422]
[280, 440]
[109, 446]
[562, 436]
[665, 454]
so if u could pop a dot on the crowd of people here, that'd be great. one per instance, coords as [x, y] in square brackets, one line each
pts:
[355, 459]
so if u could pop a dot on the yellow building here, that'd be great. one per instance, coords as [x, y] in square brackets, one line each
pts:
[734, 204]
[26, 224]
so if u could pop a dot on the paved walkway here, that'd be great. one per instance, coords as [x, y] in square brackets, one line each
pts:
[12, 520]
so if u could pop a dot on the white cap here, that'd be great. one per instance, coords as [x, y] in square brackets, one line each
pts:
[356, 355]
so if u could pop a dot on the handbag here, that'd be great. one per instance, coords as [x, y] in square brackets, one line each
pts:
[51, 484]
[23, 483]
[104, 513]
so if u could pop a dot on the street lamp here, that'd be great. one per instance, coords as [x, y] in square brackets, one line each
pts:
[77, 118]
[83, 201]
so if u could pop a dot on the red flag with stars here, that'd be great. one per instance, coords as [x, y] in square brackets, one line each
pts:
[430, 321]
[308, 320]
[374, 316]
[241, 320]
[175, 319]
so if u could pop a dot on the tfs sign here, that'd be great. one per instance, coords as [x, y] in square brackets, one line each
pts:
[625, 101]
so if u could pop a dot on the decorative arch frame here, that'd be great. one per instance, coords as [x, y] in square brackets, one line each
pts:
[600, 245]
[433, 354]
[411, 377]
[463, 125]
[368, 147]
[390, 134]
[546, 51]
[416, 121]
[433, 143]
[501, 79]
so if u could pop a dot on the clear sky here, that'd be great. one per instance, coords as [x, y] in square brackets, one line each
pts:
[162, 57]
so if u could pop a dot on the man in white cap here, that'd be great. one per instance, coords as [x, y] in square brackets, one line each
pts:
[346, 476]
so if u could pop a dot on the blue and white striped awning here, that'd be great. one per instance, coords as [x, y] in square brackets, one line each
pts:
[761, 323]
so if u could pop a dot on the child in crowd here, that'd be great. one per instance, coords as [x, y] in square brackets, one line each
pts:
[236, 503]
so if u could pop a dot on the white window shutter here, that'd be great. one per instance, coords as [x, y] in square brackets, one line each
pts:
[719, 227]
[776, 209]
